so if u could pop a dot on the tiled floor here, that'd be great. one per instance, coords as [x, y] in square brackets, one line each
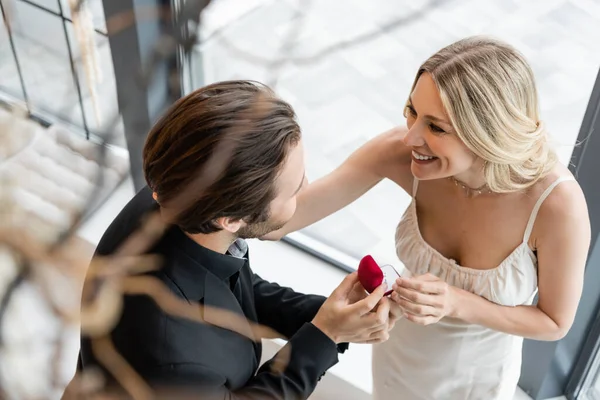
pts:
[349, 96]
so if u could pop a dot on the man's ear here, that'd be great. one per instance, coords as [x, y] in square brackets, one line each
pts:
[230, 224]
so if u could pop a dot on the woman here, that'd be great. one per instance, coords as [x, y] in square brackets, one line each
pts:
[494, 220]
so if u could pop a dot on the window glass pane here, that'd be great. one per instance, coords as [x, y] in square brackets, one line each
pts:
[105, 87]
[43, 54]
[51, 5]
[96, 9]
[9, 75]
[591, 383]
[348, 96]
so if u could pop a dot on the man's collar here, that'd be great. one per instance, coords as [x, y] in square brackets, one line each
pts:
[221, 265]
[239, 249]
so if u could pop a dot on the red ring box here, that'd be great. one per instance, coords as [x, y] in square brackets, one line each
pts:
[371, 275]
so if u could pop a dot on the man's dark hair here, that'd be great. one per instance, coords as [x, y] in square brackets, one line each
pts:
[217, 153]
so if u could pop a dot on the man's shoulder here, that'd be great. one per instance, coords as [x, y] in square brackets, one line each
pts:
[128, 221]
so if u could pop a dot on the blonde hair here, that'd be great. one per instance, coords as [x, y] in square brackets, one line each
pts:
[488, 91]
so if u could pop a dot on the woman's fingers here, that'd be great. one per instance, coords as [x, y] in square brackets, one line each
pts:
[421, 320]
[416, 297]
[422, 299]
[421, 285]
[417, 309]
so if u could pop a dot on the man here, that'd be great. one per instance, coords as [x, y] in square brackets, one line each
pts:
[223, 164]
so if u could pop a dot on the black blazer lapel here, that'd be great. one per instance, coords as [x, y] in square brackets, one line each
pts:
[222, 308]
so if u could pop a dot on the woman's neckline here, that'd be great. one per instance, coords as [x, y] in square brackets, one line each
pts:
[451, 262]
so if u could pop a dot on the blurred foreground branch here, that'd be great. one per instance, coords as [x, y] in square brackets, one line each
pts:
[43, 261]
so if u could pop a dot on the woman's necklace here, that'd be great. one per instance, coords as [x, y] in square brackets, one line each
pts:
[470, 191]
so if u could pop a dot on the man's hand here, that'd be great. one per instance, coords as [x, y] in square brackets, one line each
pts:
[395, 312]
[345, 317]
[359, 293]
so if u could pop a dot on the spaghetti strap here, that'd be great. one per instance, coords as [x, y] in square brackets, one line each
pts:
[538, 204]
[415, 187]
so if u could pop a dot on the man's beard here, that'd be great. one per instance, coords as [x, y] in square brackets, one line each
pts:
[259, 229]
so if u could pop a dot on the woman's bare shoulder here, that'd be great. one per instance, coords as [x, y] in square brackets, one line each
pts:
[394, 158]
[567, 193]
[565, 206]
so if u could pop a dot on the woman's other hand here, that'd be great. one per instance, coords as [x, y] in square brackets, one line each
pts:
[425, 299]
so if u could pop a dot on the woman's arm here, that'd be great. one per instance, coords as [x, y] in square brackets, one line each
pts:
[384, 156]
[562, 235]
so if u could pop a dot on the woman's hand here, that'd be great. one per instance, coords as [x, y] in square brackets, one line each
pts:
[425, 299]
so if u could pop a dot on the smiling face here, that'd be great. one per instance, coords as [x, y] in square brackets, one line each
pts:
[437, 152]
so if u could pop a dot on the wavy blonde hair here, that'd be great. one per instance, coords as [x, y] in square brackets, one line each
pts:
[489, 93]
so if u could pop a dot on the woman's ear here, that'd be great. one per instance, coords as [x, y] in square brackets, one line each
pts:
[155, 196]
[230, 224]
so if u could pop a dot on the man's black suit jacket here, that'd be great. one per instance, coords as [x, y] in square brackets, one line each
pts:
[213, 362]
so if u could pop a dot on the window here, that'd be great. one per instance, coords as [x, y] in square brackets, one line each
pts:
[584, 382]
[9, 66]
[42, 66]
[594, 391]
[343, 98]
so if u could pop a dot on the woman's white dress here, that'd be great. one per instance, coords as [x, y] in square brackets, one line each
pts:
[452, 359]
